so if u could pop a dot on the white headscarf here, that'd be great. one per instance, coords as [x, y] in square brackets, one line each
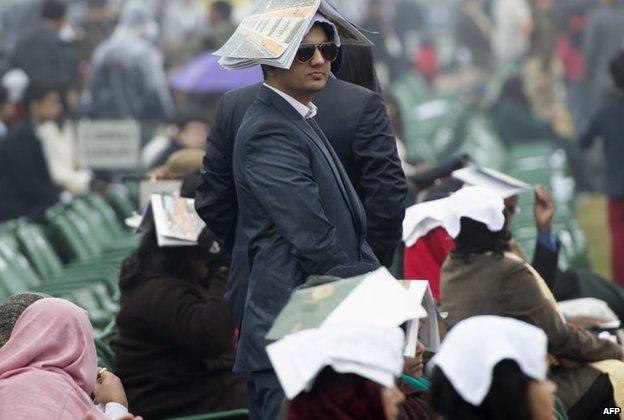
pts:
[372, 352]
[476, 345]
[477, 203]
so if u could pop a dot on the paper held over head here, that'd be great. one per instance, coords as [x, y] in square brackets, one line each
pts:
[372, 352]
[420, 329]
[504, 185]
[376, 298]
[273, 31]
[175, 219]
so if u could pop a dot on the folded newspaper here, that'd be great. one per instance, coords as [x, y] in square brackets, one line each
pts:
[503, 184]
[424, 328]
[376, 298]
[273, 31]
[175, 219]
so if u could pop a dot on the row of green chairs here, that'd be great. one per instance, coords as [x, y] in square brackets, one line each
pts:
[531, 163]
[76, 256]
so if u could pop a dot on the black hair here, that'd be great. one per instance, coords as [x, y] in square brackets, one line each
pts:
[183, 118]
[53, 10]
[508, 398]
[36, 91]
[513, 89]
[444, 189]
[475, 238]
[223, 7]
[328, 29]
[616, 68]
[357, 67]
[150, 261]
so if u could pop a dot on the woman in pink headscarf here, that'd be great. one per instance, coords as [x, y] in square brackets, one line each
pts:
[48, 367]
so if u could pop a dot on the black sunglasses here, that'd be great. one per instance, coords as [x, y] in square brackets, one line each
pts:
[328, 50]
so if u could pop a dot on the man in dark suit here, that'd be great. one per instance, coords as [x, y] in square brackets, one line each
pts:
[355, 122]
[298, 211]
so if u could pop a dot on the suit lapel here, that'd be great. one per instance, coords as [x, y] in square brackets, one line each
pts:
[271, 98]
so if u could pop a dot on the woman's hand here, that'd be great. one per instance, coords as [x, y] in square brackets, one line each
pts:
[109, 389]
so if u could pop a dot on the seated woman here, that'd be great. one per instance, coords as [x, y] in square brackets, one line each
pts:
[481, 277]
[504, 376]
[340, 372]
[175, 347]
[48, 367]
[413, 386]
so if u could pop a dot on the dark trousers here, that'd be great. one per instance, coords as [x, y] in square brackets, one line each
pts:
[616, 226]
[265, 395]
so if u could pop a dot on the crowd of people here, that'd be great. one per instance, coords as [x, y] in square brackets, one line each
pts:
[304, 179]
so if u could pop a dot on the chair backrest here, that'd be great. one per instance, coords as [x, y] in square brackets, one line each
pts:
[69, 239]
[11, 282]
[120, 199]
[94, 219]
[108, 213]
[36, 247]
[18, 263]
[84, 231]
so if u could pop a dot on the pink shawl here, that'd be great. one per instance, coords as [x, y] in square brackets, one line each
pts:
[48, 366]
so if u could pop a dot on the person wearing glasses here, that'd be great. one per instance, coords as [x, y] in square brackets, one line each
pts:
[297, 206]
[353, 117]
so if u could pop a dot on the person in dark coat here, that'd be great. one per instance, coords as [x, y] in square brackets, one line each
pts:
[604, 35]
[42, 54]
[355, 122]
[175, 347]
[608, 123]
[297, 206]
[25, 182]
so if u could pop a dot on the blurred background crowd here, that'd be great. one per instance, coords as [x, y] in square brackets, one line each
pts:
[458, 76]
[520, 86]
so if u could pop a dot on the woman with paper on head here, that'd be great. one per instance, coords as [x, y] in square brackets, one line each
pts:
[505, 377]
[481, 277]
[340, 373]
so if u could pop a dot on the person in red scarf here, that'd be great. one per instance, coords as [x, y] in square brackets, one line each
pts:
[344, 397]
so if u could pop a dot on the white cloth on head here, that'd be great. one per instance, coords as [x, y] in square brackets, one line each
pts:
[477, 203]
[322, 19]
[473, 348]
[372, 352]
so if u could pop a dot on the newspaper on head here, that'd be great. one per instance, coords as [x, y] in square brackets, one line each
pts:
[272, 33]
[176, 221]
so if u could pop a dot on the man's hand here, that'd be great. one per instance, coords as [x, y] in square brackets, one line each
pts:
[544, 209]
[212, 250]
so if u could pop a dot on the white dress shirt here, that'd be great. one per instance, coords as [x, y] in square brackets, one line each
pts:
[307, 111]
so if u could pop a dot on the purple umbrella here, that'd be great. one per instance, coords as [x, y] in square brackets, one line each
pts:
[203, 74]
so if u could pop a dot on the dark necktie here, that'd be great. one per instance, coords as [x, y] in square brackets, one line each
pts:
[342, 178]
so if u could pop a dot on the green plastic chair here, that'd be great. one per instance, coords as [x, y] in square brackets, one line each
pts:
[119, 197]
[100, 230]
[98, 203]
[10, 281]
[46, 264]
